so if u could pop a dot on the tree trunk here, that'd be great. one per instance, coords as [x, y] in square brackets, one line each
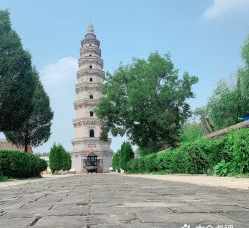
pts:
[26, 142]
[26, 147]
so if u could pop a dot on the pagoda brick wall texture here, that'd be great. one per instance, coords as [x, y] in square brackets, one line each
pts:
[88, 90]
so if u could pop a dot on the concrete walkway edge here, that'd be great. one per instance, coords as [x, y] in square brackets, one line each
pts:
[202, 180]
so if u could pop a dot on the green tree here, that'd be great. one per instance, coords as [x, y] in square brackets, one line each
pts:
[67, 162]
[245, 52]
[36, 129]
[16, 84]
[116, 161]
[126, 154]
[243, 81]
[147, 101]
[205, 122]
[57, 158]
[223, 106]
[191, 132]
[228, 104]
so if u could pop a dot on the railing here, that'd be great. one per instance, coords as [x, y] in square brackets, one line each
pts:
[92, 49]
[91, 140]
[88, 86]
[90, 41]
[90, 60]
[86, 121]
[86, 102]
[87, 71]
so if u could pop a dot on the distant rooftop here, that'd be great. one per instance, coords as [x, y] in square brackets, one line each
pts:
[6, 145]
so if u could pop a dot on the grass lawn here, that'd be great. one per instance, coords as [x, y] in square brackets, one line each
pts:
[3, 178]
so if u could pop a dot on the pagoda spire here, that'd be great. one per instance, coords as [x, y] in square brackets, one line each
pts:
[90, 28]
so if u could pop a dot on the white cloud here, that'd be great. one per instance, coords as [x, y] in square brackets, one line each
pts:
[59, 72]
[223, 7]
[58, 80]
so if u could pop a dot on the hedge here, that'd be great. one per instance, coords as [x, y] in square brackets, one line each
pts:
[229, 155]
[20, 164]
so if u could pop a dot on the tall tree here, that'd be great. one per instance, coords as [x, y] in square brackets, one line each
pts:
[16, 84]
[222, 107]
[126, 154]
[116, 161]
[243, 81]
[36, 129]
[191, 131]
[147, 101]
[59, 159]
[229, 103]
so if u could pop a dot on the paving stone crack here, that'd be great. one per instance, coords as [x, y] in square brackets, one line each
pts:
[35, 221]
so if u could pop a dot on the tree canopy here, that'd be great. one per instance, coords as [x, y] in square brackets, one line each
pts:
[36, 129]
[16, 84]
[126, 154]
[222, 107]
[229, 103]
[191, 131]
[59, 159]
[147, 101]
[116, 161]
[243, 81]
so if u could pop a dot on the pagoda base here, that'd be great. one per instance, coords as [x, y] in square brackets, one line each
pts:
[104, 162]
[85, 147]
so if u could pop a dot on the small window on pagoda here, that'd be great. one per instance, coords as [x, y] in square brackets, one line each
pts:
[90, 55]
[91, 133]
[90, 79]
[91, 113]
[90, 45]
[91, 96]
[90, 66]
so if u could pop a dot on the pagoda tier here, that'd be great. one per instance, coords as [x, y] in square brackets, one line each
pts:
[92, 50]
[90, 60]
[81, 87]
[90, 121]
[87, 72]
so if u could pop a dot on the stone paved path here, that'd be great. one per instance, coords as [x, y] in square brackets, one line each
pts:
[120, 201]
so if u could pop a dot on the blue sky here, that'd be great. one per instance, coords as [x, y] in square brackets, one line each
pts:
[203, 37]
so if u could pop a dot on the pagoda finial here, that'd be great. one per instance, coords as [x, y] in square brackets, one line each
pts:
[90, 29]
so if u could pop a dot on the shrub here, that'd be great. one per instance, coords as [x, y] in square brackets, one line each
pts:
[197, 157]
[237, 146]
[133, 166]
[150, 163]
[165, 160]
[3, 178]
[204, 154]
[59, 159]
[226, 156]
[181, 162]
[144, 151]
[20, 164]
[171, 161]
[191, 132]
[223, 168]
